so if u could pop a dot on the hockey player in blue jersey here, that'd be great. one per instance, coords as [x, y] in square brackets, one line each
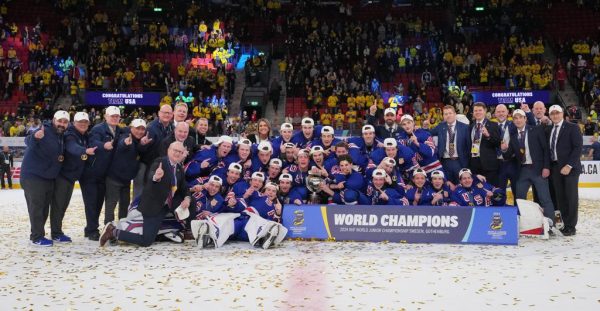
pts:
[346, 186]
[468, 193]
[242, 155]
[299, 171]
[253, 188]
[405, 158]
[304, 138]
[208, 200]
[317, 163]
[421, 142]
[274, 170]
[441, 191]
[327, 141]
[206, 161]
[285, 136]
[420, 193]
[366, 143]
[288, 155]
[260, 161]
[288, 194]
[258, 224]
[393, 175]
[379, 193]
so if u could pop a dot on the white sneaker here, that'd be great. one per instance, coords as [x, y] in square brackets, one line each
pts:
[272, 234]
[173, 237]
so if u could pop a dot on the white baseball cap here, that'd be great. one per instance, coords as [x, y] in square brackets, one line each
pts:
[389, 110]
[81, 116]
[276, 162]
[288, 145]
[368, 128]
[390, 142]
[224, 139]
[308, 121]
[285, 176]
[61, 114]
[464, 171]
[379, 173]
[235, 167]
[389, 160]
[216, 179]
[437, 174]
[518, 112]
[419, 171]
[407, 117]
[554, 108]
[316, 149]
[138, 123]
[286, 126]
[327, 130]
[265, 146]
[245, 141]
[112, 110]
[258, 175]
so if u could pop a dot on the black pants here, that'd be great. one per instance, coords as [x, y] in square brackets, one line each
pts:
[5, 169]
[116, 191]
[38, 195]
[150, 230]
[479, 168]
[63, 190]
[567, 195]
[93, 191]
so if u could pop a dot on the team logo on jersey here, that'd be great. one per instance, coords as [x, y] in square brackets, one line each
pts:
[298, 217]
[496, 222]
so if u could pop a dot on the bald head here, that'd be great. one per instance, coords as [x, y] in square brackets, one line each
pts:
[182, 130]
[501, 113]
[176, 152]
[539, 109]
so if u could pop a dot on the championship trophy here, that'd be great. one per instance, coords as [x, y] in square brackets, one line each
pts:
[313, 182]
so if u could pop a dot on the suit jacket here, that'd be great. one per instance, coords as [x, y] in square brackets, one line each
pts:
[381, 132]
[488, 149]
[537, 145]
[569, 145]
[463, 141]
[155, 193]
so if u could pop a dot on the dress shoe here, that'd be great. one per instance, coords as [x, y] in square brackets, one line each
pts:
[95, 236]
[568, 231]
[107, 234]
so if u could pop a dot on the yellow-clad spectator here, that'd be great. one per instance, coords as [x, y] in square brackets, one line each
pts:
[360, 101]
[197, 112]
[339, 119]
[326, 118]
[350, 102]
[129, 75]
[332, 101]
[145, 66]
[351, 119]
[12, 53]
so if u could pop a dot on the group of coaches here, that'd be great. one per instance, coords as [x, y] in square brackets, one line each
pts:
[528, 150]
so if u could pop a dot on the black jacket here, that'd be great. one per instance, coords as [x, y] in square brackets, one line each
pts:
[488, 149]
[536, 143]
[569, 145]
[155, 193]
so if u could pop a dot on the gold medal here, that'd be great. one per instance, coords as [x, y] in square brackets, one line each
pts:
[451, 146]
[84, 157]
[61, 158]
[522, 151]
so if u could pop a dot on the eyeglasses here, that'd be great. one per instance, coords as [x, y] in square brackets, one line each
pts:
[177, 151]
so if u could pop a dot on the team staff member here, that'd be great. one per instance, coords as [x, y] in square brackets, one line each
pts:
[390, 129]
[180, 134]
[485, 141]
[41, 165]
[508, 163]
[453, 143]
[123, 169]
[164, 191]
[566, 144]
[76, 155]
[93, 181]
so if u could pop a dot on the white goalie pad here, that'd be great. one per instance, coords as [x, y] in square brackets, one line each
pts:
[221, 227]
[258, 227]
[532, 221]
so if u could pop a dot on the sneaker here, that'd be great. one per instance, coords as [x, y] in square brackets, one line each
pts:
[62, 239]
[173, 237]
[42, 242]
[271, 236]
[107, 234]
[558, 221]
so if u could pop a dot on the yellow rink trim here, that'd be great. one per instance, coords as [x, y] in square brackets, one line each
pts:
[325, 220]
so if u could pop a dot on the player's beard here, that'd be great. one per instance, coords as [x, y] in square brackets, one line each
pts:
[60, 129]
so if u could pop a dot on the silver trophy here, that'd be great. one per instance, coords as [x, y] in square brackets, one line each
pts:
[313, 182]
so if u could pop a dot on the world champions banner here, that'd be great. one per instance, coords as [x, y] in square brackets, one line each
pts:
[406, 224]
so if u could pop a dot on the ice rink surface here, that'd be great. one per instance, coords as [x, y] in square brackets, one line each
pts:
[560, 274]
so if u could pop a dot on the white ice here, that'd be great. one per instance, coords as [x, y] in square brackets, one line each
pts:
[560, 274]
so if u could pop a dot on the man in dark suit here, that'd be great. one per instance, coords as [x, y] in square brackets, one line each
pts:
[508, 163]
[453, 143]
[164, 190]
[5, 166]
[529, 145]
[485, 141]
[566, 143]
[390, 129]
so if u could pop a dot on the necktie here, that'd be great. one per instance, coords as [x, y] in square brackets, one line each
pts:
[553, 144]
[522, 145]
[451, 136]
[537, 122]
[173, 187]
[477, 133]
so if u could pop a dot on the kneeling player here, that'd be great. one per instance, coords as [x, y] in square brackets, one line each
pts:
[471, 192]
[380, 193]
